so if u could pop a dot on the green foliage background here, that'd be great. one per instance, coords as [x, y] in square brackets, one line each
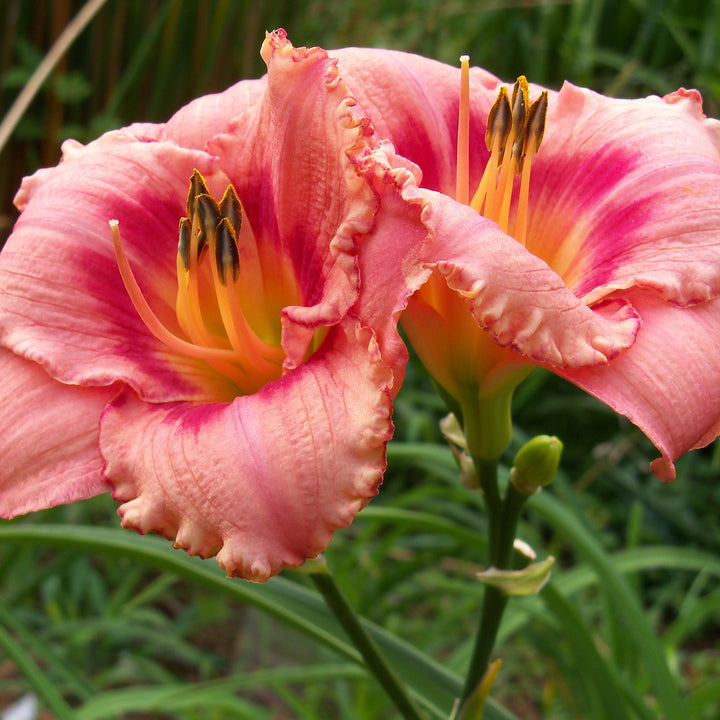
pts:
[121, 631]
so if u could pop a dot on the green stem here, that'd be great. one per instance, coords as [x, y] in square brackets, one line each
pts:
[376, 663]
[503, 515]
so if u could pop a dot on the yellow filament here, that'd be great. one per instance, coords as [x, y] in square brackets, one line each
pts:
[521, 215]
[501, 211]
[485, 194]
[510, 155]
[182, 303]
[148, 316]
[197, 329]
[224, 361]
[462, 183]
[248, 346]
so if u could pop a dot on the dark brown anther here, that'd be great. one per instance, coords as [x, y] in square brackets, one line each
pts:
[184, 242]
[208, 211]
[536, 120]
[231, 209]
[499, 121]
[520, 101]
[197, 187]
[202, 245]
[226, 252]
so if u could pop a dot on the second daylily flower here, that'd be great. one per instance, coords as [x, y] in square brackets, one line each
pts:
[597, 257]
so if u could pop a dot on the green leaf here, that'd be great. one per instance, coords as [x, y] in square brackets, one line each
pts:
[40, 682]
[434, 686]
[626, 603]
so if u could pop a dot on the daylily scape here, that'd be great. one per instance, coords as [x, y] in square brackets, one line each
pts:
[201, 316]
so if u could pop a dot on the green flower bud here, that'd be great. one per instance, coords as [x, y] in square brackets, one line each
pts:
[536, 464]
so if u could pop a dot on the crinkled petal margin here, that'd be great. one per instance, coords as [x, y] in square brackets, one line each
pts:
[289, 160]
[263, 481]
[516, 297]
[668, 382]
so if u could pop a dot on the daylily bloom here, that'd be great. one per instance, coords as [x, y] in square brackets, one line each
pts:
[584, 237]
[177, 323]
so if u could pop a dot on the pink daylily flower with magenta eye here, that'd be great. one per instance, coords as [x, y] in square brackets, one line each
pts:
[567, 230]
[177, 321]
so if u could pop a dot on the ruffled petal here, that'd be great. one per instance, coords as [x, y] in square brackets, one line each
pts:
[390, 260]
[48, 438]
[413, 102]
[668, 382]
[62, 300]
[265, 480]
[624, 194]
[516, 297]
[289, 161]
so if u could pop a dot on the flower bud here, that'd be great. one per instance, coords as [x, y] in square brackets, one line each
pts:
[536, 464]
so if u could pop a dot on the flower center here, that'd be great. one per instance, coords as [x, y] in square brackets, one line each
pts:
[515, 129]
[229, 293]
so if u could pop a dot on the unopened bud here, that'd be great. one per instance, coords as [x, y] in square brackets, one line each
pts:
[536, 464]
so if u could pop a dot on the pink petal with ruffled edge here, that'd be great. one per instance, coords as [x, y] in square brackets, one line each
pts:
[413, 102]
[49, 435]
[62, 300]
[516, 297]
[668, 382]
[263, 481]
[289, 162]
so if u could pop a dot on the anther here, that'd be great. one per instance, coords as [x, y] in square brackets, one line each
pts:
[520, 96]
[536, 120]
[520, 102]
[226, 252]
[499, 122]
[231, 209]
[184, 242]
[208, 211]
[197, 187]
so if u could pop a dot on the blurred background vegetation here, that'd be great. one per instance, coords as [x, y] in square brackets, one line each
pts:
[143, 59]
[98, 621]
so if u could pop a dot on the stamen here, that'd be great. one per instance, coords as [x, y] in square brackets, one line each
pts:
[499, 124]
[263, 359]
[520, 102]
[213, 230]
[513, 135]
[462, 183]
[197, 187]
[536, 121]
[231, 209]
[226, 254]
[188, 302]
[501, 212]
[534, 135]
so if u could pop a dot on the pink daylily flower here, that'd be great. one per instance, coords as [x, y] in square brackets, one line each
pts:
[233, 398]
[607, 271]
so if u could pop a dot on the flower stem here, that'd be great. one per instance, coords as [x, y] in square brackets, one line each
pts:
[503, 515]
[376, 663]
